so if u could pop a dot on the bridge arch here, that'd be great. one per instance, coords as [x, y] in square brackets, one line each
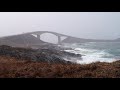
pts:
[49, 37]
[40, 33]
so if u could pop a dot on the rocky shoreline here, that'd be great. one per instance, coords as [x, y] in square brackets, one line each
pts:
[47, 62]
[50, 54]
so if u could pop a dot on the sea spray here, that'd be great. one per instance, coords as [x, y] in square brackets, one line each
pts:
[95, 52]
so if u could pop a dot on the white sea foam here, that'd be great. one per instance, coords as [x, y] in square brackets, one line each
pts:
[92, 55]
[95, 57]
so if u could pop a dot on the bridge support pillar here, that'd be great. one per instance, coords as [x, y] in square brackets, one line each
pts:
[59, 40]
[38, 37]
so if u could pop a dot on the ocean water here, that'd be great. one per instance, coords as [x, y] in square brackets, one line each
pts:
[95, 51]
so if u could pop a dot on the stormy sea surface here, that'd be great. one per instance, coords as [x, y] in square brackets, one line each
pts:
[94, 52]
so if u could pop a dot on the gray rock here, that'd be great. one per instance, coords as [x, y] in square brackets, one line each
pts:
[48, 54]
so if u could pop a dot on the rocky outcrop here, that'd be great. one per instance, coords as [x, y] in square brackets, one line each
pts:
[44, 55]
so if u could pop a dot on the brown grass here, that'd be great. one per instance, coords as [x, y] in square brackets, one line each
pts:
[13, 68]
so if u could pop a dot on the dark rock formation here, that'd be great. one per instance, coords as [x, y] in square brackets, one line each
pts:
[44, 55]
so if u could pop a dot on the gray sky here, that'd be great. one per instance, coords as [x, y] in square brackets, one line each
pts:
[97, 25]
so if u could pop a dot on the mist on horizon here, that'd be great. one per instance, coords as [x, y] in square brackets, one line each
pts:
[91, 25]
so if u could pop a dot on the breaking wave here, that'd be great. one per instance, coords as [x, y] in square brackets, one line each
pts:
[95, 52]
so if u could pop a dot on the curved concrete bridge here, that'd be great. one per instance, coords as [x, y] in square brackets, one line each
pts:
[39, 33]
[28, 39]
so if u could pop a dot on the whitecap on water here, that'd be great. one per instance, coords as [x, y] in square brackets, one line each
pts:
[96, 52]
[92, 55]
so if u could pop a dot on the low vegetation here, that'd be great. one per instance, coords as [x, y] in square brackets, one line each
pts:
[11, 67]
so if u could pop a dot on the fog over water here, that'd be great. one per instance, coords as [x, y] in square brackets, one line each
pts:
[94, 25]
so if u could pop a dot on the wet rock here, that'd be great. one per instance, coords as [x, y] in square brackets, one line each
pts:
[44, 55]
[47, 54]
